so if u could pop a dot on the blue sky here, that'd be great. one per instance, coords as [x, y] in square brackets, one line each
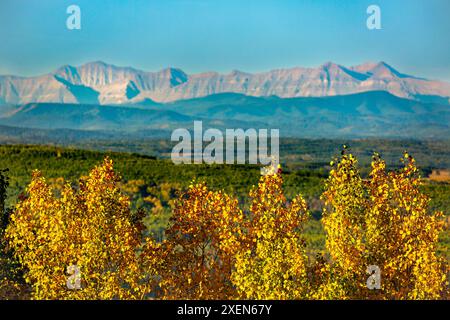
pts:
[223, 35]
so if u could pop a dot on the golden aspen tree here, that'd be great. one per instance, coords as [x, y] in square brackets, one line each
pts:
[202, 239]
[402, 234]
[381, 223]
[344, 224]
[273, 262]
[86, 232]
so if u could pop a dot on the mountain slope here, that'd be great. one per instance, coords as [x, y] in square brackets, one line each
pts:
[98, 82]
[374, 113]
[90, 117]
[369, 114]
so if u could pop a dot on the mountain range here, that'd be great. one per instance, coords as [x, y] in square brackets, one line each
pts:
[106, 84]
[368, 100]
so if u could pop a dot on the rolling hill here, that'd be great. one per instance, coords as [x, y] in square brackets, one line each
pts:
[368, 114]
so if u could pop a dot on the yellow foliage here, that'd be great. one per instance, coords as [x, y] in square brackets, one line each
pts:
[88, 228]
[202, 239]
[215, 250]
[383, 221]
[273, 263]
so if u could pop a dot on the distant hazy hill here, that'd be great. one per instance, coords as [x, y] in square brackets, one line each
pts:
[377, 114]
[101, 83]
[90, 117]
[374, 113]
